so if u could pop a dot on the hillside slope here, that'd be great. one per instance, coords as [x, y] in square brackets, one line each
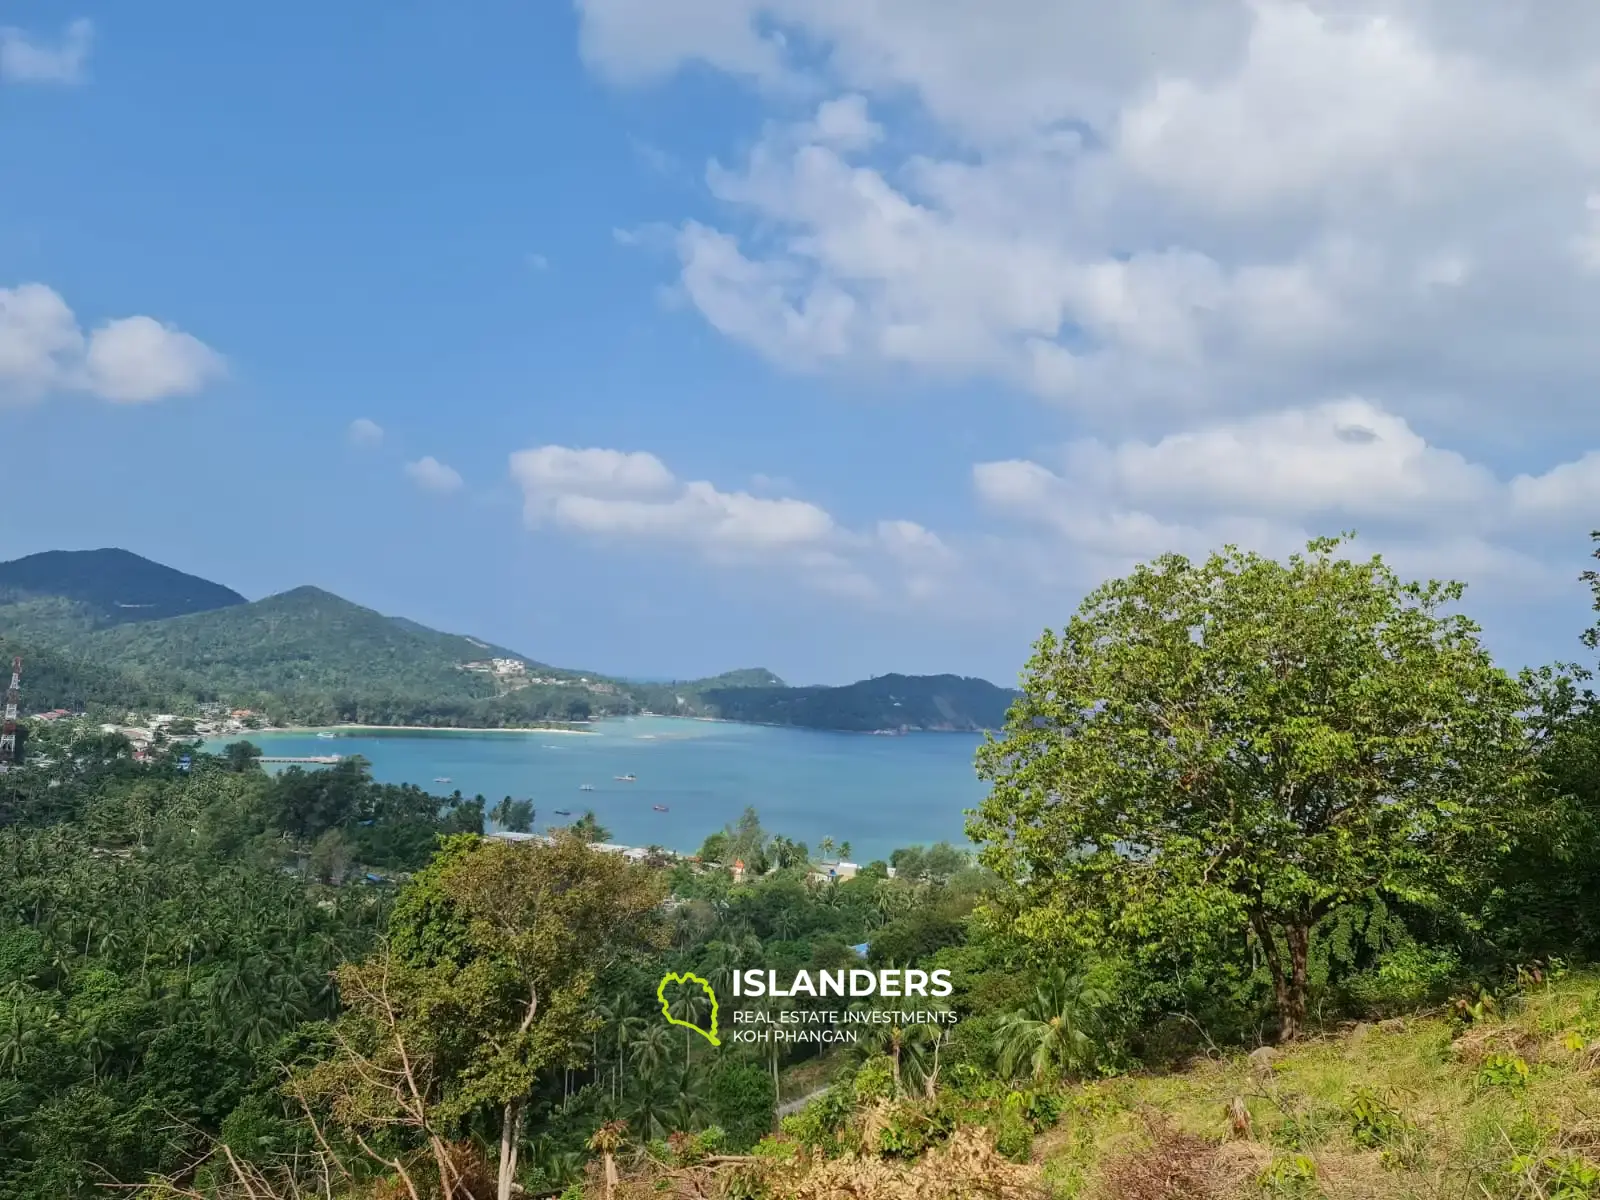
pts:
[892, 702]
[303, 643]
[105, 587]
[1401, 1109]
[117, 623]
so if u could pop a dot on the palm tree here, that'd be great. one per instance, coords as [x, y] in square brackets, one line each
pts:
[691, 1006]
[1056, 1031]
[649, 1051]
[826, 846]
[844, 851]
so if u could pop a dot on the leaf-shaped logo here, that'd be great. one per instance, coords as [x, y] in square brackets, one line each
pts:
[686, 1004]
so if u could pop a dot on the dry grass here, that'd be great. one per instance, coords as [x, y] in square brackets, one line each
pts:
[1413, 1109]
[1401, 1110]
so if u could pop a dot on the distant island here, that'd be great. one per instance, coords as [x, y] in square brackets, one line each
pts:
[109, 629]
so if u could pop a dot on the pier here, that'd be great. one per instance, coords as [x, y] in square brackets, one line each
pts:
[324, 760]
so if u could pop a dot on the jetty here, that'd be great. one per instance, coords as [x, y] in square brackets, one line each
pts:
[323, 760]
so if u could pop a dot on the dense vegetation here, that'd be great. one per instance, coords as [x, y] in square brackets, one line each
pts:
[1240, 801]
[113, 631]
[894, 702]
[108, 587]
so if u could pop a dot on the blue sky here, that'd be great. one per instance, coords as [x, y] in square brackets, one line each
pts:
[818, 336]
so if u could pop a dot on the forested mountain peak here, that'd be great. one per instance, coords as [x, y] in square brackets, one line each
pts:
[111, 586]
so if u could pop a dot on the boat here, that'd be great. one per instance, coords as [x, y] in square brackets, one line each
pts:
[586, 787]
[563, 812]
[624, 778]
[441, 779]
[327, 735]
[659, 807]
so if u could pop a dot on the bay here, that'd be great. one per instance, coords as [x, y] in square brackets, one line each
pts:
[877, 793]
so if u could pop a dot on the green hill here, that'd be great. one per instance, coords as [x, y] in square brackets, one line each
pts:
[889, 702]
[94, 588]
[106, 626]
[64, 678]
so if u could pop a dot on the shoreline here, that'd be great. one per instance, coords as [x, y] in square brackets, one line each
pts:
[244, 734]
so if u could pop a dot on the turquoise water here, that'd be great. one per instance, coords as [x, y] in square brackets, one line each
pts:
[877, 793]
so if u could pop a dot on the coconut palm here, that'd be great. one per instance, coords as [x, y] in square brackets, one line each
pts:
[1057, 1031]
[650, 1049]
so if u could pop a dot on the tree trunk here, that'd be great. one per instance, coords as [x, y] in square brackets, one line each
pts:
[510, 1127]
[1288, 1027]
[1294, 1017]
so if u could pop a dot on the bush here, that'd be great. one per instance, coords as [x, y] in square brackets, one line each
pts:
[742, 1103]
[1407, 977]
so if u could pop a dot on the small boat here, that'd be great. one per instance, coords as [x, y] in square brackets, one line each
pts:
[586, 787]
[327, 735]
[659, 807]
[441, 779]
[624, 778]
[563, 812]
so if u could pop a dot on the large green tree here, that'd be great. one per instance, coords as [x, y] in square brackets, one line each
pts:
[487, 983]
[1240, 746]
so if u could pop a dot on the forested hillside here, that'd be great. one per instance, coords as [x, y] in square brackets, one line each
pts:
[941, 702]
[307, 656]
[108, 587]
[1359, 839]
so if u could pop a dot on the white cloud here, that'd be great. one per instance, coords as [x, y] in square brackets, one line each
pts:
[138, 359]
[24, 59]
[128, 360]
[1158, 207]
[1270, 481]
[632, 497]
[432, 475]
[364, 431]
[1192, 224]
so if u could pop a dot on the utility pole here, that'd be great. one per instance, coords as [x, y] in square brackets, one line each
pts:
[8, 731]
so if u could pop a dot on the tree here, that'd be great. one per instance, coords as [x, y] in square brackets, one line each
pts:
[1055, 1031]
[242, 756]
[524, 928]
[589, 829]
[515, 816]
[1242, 746]
[330, 857]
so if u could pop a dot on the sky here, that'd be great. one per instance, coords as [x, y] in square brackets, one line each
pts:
[664, 337]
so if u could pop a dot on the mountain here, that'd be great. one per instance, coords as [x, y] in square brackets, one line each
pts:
[308, 655]
[106, 627]
[106, 587]
[889, 702]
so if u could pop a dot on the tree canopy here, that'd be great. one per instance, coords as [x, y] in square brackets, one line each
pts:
[1243, 744]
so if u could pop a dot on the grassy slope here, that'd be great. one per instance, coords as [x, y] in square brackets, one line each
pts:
[1467, 1127]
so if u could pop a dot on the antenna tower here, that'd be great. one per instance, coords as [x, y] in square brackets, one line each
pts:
[8, 731]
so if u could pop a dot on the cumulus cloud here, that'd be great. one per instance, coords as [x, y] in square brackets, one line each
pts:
[432, 475]
[633, 497]
[25, 59]
[1269, 481]
[130, 360]
[1158, 208]
[364, 431]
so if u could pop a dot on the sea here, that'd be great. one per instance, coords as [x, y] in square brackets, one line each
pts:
[877, 793]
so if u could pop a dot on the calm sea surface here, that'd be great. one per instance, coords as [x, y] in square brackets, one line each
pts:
[877, 793]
